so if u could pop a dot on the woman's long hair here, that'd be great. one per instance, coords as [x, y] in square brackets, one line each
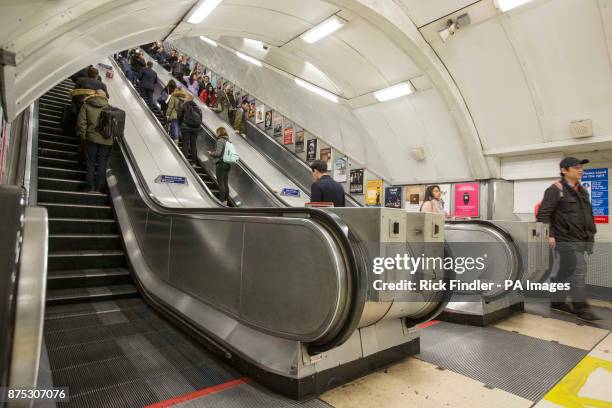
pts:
[429, 194]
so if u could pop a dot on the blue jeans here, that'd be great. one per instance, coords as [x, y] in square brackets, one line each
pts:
[96, 153]
[175, 130]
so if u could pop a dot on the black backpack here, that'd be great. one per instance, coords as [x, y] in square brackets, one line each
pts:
[191, 115]
[111, 122]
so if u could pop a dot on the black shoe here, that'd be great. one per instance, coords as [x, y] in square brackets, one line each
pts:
[587, 315]
[562, 307]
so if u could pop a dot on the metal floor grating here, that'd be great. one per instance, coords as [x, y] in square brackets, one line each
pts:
[522, 365]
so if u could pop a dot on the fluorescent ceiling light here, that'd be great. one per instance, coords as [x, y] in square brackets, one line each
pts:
[247, 58]
[322, 30]
[505, 5]
[254, 43]
[393, 92]
[321, 92]
[203, 10]
[208, 40]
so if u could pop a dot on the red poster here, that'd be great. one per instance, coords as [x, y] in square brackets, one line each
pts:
[467, 200]
[288, 136]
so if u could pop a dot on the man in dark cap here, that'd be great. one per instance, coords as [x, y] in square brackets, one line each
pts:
[566, 207]
[325, 188]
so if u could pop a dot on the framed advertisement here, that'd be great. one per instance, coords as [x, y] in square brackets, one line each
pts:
[467, 200]
[595, 182]
[340, 167]
[268, 120]
[299, 141]
[278, 126]
[325, 155]
[288, 136]
[252, 109]
[259, 114]
[356, 185]
[374, 193]
[414, 198]
[311, 153]
[393, 197]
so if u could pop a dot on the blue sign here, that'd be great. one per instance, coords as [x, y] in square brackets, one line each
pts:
[104, 66]
[290, 192]
[595, 181]
[171, 179]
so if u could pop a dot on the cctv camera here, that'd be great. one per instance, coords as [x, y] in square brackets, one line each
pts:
[265, 47]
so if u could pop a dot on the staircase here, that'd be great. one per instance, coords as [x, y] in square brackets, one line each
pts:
[86, 257]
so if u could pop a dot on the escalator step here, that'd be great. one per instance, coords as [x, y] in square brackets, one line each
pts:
[71, 295]
[58, 163]
[58, 154]
[80, 259]
[81, 226]
[86, 242]
[88, 308]
[70, 197]
[57, 210]
[62, 174]
[88, 278]
[66, 147]
[54, 137]
[51, 107]
[60, 184]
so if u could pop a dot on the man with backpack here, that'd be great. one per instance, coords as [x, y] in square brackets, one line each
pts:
[566, 207]
[97, 145]
[175, 108]
[225, 155]
[190, 120]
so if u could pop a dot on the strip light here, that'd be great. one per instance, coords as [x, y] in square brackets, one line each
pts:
[322, 30]
[321, 92]
[505, 5]
[208, 40]
[203, 10]
[393, 92]
[254, 43]
[250, 59]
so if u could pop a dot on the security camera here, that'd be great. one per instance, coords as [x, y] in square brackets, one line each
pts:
[265, 47]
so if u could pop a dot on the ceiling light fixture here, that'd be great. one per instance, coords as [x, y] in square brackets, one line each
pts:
[254, 43]
[393, 92]
[203, 10]
[250, 59]
[321, 92]
[505, 5]
[208, 40]
[322, 30]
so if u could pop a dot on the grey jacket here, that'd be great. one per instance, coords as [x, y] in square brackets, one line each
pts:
[220, 149]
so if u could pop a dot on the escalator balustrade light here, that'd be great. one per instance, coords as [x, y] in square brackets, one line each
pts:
[505, 5]
[321, 92]
[203, 10]
[208, 41]
[250, 59]
[322, 30]
[393, 92]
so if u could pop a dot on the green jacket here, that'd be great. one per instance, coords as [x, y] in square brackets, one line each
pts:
[171, 112]
[240, 123]
[87, 121]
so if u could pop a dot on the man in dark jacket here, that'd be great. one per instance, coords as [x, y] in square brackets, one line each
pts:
[325, 189]
[91, 81]
[148, 79]
[566, 207]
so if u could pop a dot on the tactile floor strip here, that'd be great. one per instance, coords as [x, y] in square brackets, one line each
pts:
[522, 365]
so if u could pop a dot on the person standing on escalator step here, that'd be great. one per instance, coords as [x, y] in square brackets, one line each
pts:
[148, 79]
[222, 168]
[175, 107]
[566, 207]
[190, 121]
[325, 189]
[240, 124]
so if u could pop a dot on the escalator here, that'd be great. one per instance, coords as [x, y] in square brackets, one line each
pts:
[104, 342]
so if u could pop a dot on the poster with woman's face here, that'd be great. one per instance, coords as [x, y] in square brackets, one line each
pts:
[311, 152]
[268, 122]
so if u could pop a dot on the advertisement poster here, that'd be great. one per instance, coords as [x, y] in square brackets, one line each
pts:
[278, 126]
[467, 200]
[595, 181]
[325, 155]
[414, 198]
[356, 186]
[340, 166]
[259, 116]
[311, 153]
[252, 109]
[288, 136]
[299, 141]
[374, 193]
[393, 197]
[445, 189]
[268, 120]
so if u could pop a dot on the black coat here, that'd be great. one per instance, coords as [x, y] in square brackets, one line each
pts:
[569, 214]
[148, 78]
[327, 189]
[90, 83]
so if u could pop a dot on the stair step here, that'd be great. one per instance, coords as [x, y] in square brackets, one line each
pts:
[72, 295]
[65, 147]
[85, 242]
[58, 154]
[53, 137]
[88, 278]
[59, 93]
[71, 197]
[52, 127]
[58, 163]
[59, 99]
[82, 226]
[60, 184]
[49, 115]
[63, 174]
[52, 108]
[69, 260]
[57, 210]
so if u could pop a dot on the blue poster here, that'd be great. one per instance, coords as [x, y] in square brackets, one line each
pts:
[595, 181]
[393, 197]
